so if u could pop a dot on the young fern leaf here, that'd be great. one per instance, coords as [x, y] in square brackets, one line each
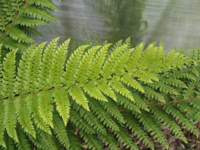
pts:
[8, 91]
[130, 81]
[84, 66]
[107, 69]
[62, 104]
[91, 89]
[71, 66]
[45, 107]
[120, 88]
[47, 59]
[57, 66]
[79, 97]
[97, 63]
[24, 116]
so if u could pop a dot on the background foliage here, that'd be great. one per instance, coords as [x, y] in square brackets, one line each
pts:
[20, 18]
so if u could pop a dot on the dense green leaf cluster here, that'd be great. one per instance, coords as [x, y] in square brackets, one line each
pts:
[103, 96]
[19, 18]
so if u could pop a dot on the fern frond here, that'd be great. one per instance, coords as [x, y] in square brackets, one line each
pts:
[91, 89]
[170, 109]
[24, 142]
[127, 79]
[44, 3]
[78, 96]
[138, 131]
[84, 66]
[163, 117]
[92, 141]
[2, 143]
[106, 89]
[45, 107]
[60, 131]
[90, 118]
[120, 88]
[113, 110]
[62, 104]
[149, 124]
[8, 91]
[125, 139]
[103, 116]
[24, 116]
[109, 141]
[98, 62]
[72, 65]
[73, 139]
[39, 13]
[17, 34]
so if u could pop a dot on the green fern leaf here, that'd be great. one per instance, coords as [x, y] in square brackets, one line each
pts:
[29, 22]
[97, 63]
[47, 59]
[113, 110]
[32, 102]
[62, 104]
[8, 91]
[84, 65]
[125, 139]
[45, 107]
[91, 89]
[2, 143]
[57, 66]
[107, 69]
[73, 138]
[24, 116]
[109, 141]
[133, 61]
[127, 79]
[72, 65]
[163, 117]
[92, 141]
[78, 96]
[90, 118]
[17, 34]
[44, 3]
[39, 13]
[149, 124]
[24, 142]
[151, 94]
[126, 103]
[106, 89]
[82, 125]
[137, 129]
[120, 88]
[102, 115]
[60, 131]
[170, 109]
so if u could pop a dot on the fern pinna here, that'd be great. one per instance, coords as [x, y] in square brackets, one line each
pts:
[20, 18]
[105, 96]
